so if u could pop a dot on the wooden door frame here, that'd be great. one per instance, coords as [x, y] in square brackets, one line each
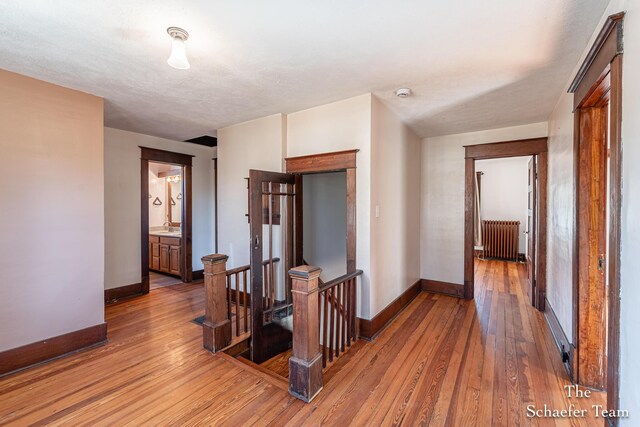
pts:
[603, 60]
[185, 160]
[517, 148]
[338, 161]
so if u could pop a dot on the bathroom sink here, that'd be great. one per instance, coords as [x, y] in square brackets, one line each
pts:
[166, 233]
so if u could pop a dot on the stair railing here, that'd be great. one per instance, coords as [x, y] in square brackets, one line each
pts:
[324, 326]
[227, 300]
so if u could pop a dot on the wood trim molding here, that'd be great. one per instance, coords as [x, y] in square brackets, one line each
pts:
[520, 147]
[566, 349]
[603, 61]
[42, 351]
[163, 156]
[185, 160]
[606, 46]
[198, 275]
[523, 147]
[114, 295]
[445, 288]
[369, 329]
[324, 162]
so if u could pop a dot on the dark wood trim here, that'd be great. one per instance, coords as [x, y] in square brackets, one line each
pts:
[369, 329]
[469, 175]
[163, 156]
[523, 147]
[339, 161]
[541, 230]
[144, 223]
[187, 225]
[604, 60]
[116, 294]
[215, 201]
[615, 227]
[607, 44]
[184, 160]
[517, 148]
[565, 348]
[324, 162]
[43, 351]
[445, 288]
[351, 220]
[198, 275]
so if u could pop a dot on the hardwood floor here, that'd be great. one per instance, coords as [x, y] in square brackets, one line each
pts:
[157, 280]
[442, 361]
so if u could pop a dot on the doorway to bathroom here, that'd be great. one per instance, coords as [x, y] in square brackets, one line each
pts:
[166, 199]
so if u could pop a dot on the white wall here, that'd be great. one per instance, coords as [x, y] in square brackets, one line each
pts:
[395, 197]
[257, 144]
[630, 267]
[561, 208]
[342, 125]
[52, 252]
[157, 189]
[122, 202]
[325, 223]
[504, 189]
[442, 209]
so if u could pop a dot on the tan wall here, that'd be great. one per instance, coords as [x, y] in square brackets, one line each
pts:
[52, 215]
[395, 207]
[122, 202]
[342, 125]
[442, 213]
[257, 144]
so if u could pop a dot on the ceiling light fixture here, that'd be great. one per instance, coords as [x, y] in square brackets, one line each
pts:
[403, 92]
[178, 58]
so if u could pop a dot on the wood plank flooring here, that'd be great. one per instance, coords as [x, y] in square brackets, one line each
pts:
[442, 361]
[157, 280]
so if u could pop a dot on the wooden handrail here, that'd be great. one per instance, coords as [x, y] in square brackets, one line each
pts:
[324, 326]
[248, 267]
[238, 300]
[333, 282]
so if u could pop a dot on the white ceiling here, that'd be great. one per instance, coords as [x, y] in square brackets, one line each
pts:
[472, 64]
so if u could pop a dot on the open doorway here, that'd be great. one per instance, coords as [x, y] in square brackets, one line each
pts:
[166, 200]
[166, 197]
[502, 224]
[277, 220]
[325, 223]
[503, 236]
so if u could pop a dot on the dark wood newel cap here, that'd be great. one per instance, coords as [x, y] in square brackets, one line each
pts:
[214, 258]
[305, 272]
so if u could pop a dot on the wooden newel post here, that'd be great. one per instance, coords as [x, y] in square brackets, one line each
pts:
[305, 364]
[216, 329]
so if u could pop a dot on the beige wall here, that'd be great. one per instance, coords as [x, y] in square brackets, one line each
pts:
[342, 125]
[562, 214]
[442, 212]
[52, 252]
[122, 202]
[395, 207]
[257, 144]
[561, 209]
[505, 186]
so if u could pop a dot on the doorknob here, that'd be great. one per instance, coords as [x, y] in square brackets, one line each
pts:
[257, 242]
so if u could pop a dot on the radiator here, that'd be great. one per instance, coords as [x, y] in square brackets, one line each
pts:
[500, 239]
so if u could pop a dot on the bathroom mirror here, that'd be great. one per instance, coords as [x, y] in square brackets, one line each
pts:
[166, 196]
[174, 207]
